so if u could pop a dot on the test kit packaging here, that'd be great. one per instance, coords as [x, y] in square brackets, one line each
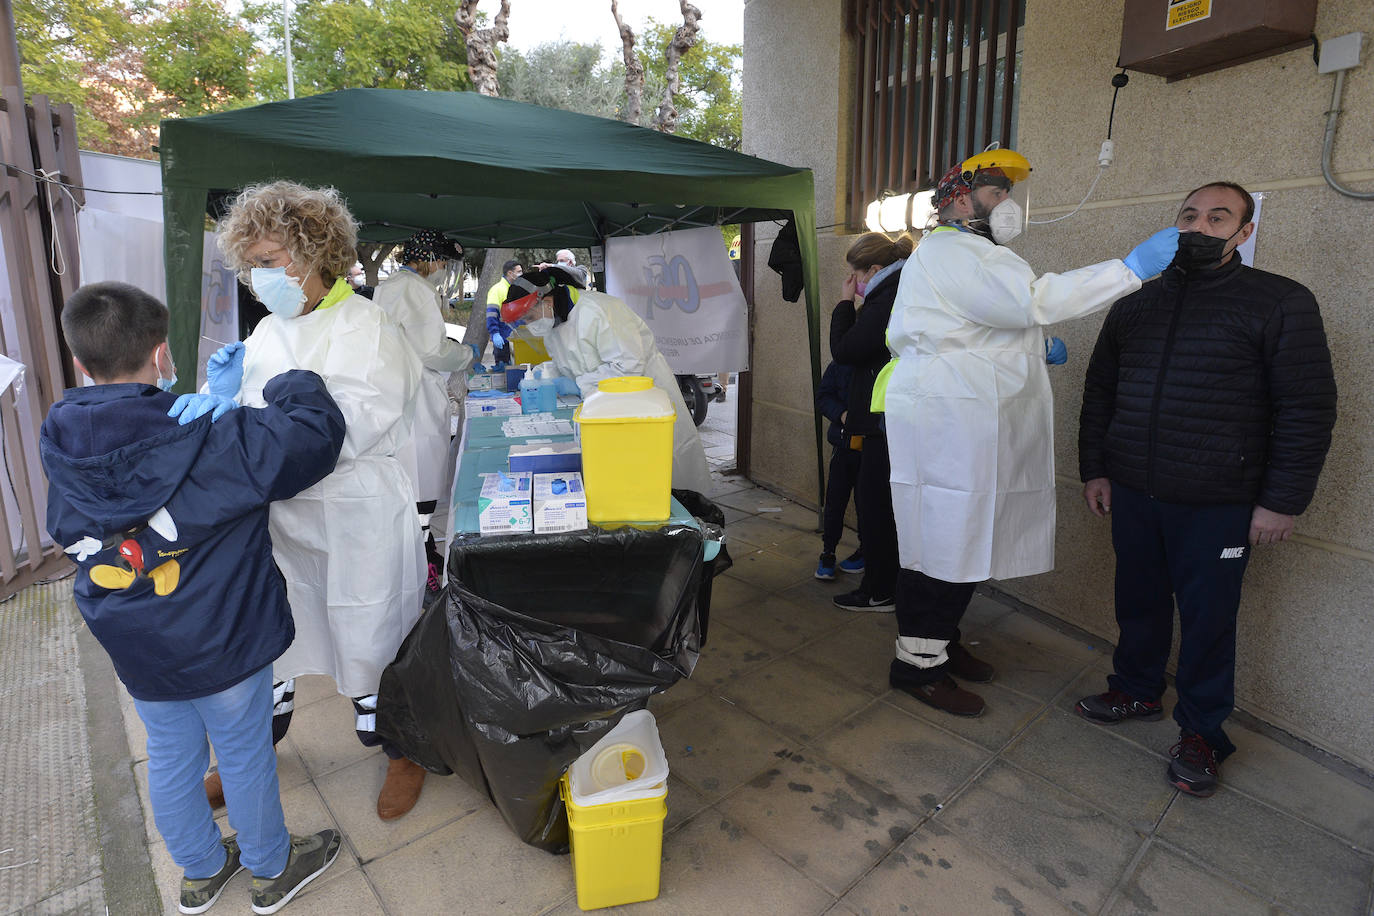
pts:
[546, 458]
[504, 506]
[503, 406]
[487, 381]
[560, 503]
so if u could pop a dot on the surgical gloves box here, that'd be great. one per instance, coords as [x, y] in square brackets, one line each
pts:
[501, 405]
[503, 506]
[560, 503]
[546, 458]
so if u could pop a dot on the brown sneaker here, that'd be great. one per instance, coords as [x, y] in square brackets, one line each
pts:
[214, 790]
[967, 668]
[946, 696]
[401, 789]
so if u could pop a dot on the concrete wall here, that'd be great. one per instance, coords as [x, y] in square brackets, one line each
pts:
[1306, 647]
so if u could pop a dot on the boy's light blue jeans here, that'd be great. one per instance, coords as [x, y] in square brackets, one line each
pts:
[238, 722]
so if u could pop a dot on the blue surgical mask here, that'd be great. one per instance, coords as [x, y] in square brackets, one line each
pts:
[167, 384]
[280, 293]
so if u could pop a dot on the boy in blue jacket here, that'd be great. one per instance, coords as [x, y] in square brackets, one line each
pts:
[162, 503]
[832, 400]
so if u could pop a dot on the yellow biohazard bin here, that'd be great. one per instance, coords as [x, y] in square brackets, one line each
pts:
[626, 427]
[616, 795]
[617, 849]
[527, 349]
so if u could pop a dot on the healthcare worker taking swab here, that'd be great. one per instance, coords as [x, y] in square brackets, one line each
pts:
[970, 412]
[349, 547]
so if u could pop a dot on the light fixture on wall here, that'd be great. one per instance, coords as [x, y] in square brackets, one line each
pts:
[899, 212]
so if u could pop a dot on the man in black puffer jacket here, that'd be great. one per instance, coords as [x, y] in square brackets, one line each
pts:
[1207, 414]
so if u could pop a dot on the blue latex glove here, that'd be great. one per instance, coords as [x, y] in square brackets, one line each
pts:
[1056, 354]
[477, 367]
[1154, 254]
[476, 358]
[190, 407]
[499, 342]
[499, 365]
[224, 371]
[564, 385]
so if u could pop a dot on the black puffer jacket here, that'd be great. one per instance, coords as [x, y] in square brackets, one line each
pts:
[860, 342]
[1211, 387]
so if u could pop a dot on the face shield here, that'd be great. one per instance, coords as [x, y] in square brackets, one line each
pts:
[1000, 193]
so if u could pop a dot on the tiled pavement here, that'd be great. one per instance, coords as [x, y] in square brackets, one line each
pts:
[802, 784]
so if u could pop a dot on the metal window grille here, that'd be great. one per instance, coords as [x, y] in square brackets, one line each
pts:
[933, 86]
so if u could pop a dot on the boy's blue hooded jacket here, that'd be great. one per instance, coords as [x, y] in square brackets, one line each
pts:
[168, 525]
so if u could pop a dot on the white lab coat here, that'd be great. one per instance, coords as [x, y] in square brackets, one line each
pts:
[603, 338]
[349, 547]
[412, 303]
[970, 425]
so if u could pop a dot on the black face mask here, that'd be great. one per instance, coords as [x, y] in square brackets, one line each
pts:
[1199, 251]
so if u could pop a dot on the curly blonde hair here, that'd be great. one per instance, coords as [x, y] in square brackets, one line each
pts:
[314, 224]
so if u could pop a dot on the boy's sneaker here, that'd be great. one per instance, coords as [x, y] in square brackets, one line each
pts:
[854, 563]
[199, 894]
[825, 569]
[859, 600]
[310, 855]
[1114, 706]
[1194, 767]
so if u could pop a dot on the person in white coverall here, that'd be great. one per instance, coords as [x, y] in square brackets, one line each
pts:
[411, 300]
[969, 411]
[349, 547]
[596, 336]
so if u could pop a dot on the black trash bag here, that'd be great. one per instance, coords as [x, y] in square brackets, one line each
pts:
[539, 647]
[711, 516]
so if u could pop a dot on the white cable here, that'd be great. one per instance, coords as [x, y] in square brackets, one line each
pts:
[1091, 187]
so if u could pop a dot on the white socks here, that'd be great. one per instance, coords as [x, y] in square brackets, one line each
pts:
[921, 652]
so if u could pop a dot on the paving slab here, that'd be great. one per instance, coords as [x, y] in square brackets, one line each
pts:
[1023, 665]
[776, 622]
[799, 700]
[939, 874]
[826, 822]
[1092, 763]
[715, 747]
[1303, 868]
[1049, 838]
[1005, 714]
[1166, 882]
[729, 653]
[859, 651]
[768, 570]
[900, 754]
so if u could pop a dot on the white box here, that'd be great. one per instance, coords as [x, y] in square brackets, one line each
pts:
[566, 511]
[506, 406]
[507, 511]
[487, 381]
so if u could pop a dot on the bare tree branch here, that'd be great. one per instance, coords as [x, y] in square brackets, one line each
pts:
[371, 255]
[665, 119]
[481, 44]
[634, 70]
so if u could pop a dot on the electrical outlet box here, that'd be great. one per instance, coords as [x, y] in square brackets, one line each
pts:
[1182, 38]
[1341, 53]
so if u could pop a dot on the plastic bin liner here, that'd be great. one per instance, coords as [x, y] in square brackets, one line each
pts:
[540, 644]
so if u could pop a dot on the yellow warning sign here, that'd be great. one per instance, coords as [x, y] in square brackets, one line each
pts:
[1183, 12]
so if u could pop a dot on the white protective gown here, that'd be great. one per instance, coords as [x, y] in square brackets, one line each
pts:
[603, 338]
[349, 547]
[412, 303]
[970, 424]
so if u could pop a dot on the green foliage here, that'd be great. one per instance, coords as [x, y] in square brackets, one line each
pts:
[708, 101]
[563, 74]
[197, 55]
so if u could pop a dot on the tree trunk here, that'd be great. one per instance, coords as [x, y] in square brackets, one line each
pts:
[665, 119]
[634, 70]
[481, 44]
[371, 255]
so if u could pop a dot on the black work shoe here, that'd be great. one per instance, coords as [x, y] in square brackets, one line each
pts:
[1114, 706]
[310, 856]
[1194, 767]
[967, 668]
[199, 894]
[859, 600]
[944, 695]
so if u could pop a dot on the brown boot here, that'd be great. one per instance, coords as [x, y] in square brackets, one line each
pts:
[967, 668]
[401, 789]
[214, 790]
[946, 696]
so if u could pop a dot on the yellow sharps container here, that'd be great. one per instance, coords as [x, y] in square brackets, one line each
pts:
[626, 427]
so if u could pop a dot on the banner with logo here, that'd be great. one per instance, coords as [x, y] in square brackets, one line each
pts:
[683, 285]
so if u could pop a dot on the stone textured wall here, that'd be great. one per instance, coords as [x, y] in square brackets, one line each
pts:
[1306, 647]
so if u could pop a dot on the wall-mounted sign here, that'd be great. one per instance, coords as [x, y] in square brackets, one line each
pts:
[1183, 12]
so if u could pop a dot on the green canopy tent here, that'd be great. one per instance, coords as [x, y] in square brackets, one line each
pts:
[487, 172]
